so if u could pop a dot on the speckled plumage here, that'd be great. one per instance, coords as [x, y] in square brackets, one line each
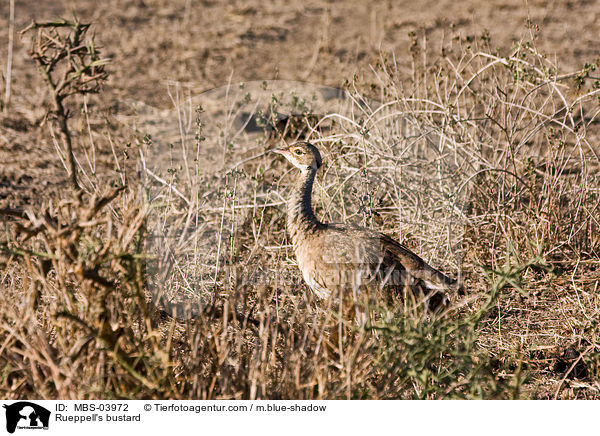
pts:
[335, 257]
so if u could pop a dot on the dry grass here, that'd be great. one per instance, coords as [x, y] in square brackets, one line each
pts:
[484, 163]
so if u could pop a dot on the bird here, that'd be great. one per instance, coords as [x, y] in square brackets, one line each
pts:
[352, 260]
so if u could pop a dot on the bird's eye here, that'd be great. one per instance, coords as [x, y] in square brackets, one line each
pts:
[298, 152]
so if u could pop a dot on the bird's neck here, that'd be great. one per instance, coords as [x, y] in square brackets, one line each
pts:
[300, 216]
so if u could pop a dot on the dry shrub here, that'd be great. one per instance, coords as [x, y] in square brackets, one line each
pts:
[86, 329]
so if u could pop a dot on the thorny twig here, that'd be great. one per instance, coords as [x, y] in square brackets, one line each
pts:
[70, 64]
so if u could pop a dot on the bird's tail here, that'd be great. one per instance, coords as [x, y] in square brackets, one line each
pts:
[438, 280]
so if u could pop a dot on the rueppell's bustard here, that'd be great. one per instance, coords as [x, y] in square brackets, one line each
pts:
[352, 259]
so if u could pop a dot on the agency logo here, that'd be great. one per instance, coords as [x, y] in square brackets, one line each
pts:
[26, 415]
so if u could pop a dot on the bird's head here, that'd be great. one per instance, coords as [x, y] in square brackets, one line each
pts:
[302, 155]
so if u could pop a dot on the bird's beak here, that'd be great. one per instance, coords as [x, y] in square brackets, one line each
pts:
[282, 151]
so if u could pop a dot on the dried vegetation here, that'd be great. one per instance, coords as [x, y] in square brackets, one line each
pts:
[483, 162]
